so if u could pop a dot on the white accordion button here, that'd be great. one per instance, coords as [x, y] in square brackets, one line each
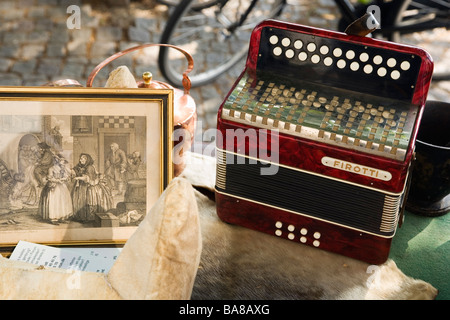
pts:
[311, 47]
[382, 72]
[391, 62]
[286, 42]
[315, 58]
[350, 54]
[405, 65]
[298, 44]
[328, 61]
[302, 56]
[273, 39]
[354, 66]
[368, 68]
[364, 57]
[337, 52]
[395, 74]
[277, 51]
[289, 53]
[341, 64]
[324, 49]
[377, 59]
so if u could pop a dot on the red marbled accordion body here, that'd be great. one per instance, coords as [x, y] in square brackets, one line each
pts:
[303, 230]
[333, 237]
[331, 194]
[307, 155]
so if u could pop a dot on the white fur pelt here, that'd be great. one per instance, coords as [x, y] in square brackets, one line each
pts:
[239, 263]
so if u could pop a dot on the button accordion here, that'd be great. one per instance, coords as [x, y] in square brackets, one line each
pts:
[316, 138]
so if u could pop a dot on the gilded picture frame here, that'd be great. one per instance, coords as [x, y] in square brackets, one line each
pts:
[81, 166]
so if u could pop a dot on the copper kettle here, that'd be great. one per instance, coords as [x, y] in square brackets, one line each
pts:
[185, 114]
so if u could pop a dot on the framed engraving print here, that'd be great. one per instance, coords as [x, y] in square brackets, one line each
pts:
[81, 165]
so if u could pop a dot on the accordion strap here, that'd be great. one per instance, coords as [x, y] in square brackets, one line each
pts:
[363, 26]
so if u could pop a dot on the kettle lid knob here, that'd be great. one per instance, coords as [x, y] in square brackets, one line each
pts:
[147, 77]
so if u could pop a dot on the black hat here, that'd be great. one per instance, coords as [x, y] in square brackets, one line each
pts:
[43, 145]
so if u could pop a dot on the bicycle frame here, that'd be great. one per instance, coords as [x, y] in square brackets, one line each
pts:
[435, 19]
[347, 9]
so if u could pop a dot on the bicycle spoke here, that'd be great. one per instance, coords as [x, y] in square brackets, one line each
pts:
[417, 19]
[195, 17]
[216, 37]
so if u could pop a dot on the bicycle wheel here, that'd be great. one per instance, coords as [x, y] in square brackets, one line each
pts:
[416, 21]
[198, 5]
[213, 36]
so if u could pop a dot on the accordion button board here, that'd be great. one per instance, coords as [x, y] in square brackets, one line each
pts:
[341, 113]
[333, 116]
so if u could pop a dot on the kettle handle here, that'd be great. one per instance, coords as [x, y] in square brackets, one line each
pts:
[186, 81]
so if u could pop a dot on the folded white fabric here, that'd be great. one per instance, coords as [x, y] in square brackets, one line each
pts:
[159, 261]
[161, 258]
[121, 77]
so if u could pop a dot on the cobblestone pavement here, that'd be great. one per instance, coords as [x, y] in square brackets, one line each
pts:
[36, 45]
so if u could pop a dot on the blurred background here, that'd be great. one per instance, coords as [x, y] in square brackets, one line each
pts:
[36, 45]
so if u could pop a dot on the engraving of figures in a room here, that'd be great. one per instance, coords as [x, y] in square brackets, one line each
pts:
[40, 157]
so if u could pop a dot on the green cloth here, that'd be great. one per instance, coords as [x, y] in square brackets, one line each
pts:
[421, 249]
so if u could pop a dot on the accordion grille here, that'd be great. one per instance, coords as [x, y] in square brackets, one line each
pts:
[307, 194]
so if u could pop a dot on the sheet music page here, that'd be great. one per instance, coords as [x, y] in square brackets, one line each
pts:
[81, 259]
